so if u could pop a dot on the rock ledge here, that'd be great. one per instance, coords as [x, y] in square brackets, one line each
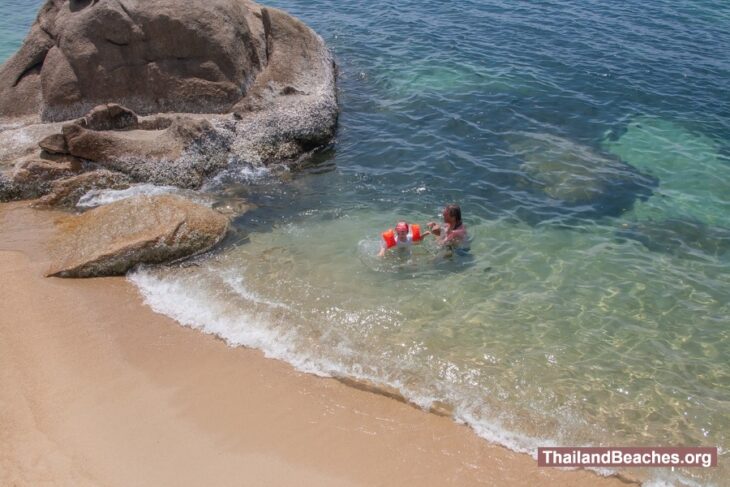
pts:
[113, 238]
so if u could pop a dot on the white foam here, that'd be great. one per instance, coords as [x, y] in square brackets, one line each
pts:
[238, 172]
[191, 306]
[193, 303]
[667, 478]
[495, 433]
[236, 282]
[252, 173]
[99, 197]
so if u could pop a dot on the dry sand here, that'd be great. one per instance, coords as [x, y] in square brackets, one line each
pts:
[96, 389]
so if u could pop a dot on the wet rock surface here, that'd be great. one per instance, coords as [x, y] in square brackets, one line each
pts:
[111, 239]
[65, 193]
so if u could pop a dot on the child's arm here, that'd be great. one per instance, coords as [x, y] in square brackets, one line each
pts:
[434, 229]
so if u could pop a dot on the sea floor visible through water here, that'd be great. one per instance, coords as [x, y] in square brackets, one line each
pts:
[589, 147]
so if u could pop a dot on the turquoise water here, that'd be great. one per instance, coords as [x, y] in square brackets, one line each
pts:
[589, 147]
[15, 20]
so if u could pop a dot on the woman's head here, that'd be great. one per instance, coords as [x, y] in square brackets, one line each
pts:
[452, 215]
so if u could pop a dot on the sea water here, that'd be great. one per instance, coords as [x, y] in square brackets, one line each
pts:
[588, 144]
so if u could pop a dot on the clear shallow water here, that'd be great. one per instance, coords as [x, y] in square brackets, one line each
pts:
[589, 147]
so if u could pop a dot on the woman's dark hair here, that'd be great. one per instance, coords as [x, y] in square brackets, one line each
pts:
[454, 211]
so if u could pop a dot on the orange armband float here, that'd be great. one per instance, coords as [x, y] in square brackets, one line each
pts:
[389, 238]
[415, 233]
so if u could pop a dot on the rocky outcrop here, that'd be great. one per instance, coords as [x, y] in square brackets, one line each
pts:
[54, 144]
[113, 238]
[152, 57]
[8, 190]
[36, 170]
[110, 116]
[291, 108]
[179, 151]
[65, 193]
[33, 177]
[169, 92]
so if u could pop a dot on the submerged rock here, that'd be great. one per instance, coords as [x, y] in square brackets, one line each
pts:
[113, 238]
[693, 174]
[250, 84]
[416, 77]
[575, 175]
[689, 211]
[678, 236]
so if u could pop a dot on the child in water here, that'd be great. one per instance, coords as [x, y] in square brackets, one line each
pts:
[402, 238]
[452, 236]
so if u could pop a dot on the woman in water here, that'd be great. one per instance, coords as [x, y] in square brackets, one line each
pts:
[454, 235]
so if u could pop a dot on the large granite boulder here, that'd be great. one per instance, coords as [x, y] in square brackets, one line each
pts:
[152, 56]
[166, 91]
[111, 239]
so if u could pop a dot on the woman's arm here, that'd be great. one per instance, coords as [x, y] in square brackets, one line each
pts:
[455, 237]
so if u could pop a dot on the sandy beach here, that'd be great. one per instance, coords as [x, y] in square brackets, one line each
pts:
[96, 389]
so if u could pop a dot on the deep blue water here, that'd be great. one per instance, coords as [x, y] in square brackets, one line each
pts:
[589, 146]
[431, 91]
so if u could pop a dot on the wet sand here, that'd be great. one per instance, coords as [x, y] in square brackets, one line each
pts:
[96, 389]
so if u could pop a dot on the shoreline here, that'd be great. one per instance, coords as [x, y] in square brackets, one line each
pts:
[97, 389]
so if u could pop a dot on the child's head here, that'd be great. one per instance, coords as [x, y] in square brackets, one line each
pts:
[401, 229]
